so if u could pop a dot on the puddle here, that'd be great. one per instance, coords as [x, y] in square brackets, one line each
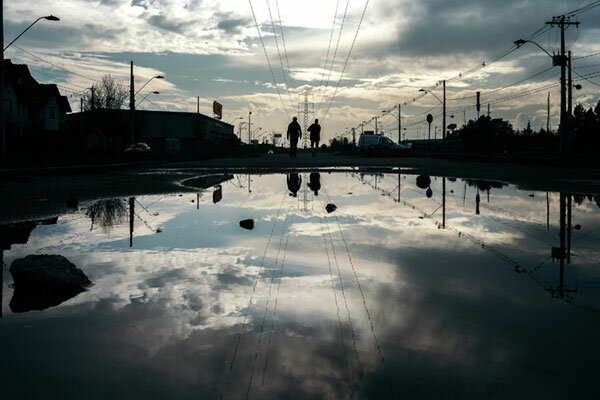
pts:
[411, 286]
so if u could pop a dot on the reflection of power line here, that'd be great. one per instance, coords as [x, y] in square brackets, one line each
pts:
[247, 312]
[362, 294]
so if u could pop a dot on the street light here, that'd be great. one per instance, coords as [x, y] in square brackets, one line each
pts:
[443, 107]
[48, 18]
[560, 60]
[149, 93]
[2, 111]
[235, 119]
[149, 80]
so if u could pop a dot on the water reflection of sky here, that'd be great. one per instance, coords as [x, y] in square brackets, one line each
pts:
[467, 311]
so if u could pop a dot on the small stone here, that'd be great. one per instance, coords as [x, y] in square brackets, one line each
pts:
[330, 208]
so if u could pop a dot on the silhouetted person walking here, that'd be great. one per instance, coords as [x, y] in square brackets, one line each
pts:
[293, 183]
[315, 137]
[293, 134]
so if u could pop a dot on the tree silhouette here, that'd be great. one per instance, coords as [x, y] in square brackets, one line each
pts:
[108, 94]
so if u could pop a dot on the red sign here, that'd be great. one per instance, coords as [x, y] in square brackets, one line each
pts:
[218, 109]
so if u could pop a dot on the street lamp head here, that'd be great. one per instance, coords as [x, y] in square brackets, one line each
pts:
[520, 42]
[422, 90]
[578, 87]
[155, 92]
[51, 18]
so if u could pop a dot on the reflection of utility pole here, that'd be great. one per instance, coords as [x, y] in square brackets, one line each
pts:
[444, 202]
[1, 277]
[198, 201]
[547, 211]
[399, 186]
[131, 219]
[249, 181]
[569, 228]
[477, 201]
[560, 253]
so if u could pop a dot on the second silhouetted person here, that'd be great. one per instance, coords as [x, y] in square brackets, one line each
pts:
[315, 137]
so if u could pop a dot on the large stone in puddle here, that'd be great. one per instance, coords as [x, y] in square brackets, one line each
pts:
[44, 281]
[247, 224]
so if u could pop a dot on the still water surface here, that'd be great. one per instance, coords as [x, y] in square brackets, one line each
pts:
[395, 294]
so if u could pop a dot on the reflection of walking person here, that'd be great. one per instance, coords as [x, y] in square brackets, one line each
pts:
[293, 183]
[293, 134]
[315, 182]
[315, 137]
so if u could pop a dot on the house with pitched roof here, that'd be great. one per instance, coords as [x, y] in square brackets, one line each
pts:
[31, 107]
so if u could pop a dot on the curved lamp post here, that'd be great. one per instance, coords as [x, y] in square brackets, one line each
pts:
[149, 80]
[146, 96]
[2, 114]
[443, 102]
[560, 60]
[47, 17]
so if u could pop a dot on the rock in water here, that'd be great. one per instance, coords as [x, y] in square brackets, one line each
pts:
[330, 208]
[247, 224]
[43, 281]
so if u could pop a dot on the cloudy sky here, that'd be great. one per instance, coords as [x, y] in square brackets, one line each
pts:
[212, 49]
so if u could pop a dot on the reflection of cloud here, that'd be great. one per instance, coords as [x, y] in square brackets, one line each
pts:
[166, 313]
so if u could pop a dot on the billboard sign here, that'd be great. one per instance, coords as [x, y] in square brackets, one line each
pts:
[218, 109]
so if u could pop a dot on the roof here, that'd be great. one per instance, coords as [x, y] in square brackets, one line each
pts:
[31, 91]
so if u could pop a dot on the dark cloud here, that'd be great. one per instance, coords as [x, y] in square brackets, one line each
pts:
[450, 28]
[233, 25]
[171, 25]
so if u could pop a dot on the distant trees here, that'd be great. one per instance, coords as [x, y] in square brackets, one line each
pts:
[486, 134]
[585, 127]
[108, 94]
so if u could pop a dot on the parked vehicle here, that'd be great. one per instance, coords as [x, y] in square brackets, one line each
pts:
[138, 148]
[379, 145]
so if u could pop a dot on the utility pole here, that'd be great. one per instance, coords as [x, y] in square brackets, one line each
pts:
[478, 105]
[570, 88]
[198, 105]
[444, 112]
[548, 117]
[563, 23]
[131, 103]
[488, 109]
[305, 108]
[376, 124]
[354, 136]
[249, 130]
[2, 114]
[399, 123]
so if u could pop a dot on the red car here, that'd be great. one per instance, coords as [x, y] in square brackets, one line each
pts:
[138, 148]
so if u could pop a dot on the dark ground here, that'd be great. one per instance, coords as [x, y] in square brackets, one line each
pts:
[28, 193]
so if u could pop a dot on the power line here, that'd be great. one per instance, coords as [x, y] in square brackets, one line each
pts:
[583, 9]
[362, 16]
[329, 45]
[279, 54]
[287, 61]
[335, 52]
[262, 42]
[54, 65]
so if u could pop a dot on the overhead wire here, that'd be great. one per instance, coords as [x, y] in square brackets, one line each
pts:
[283, 71]
[337, 4]
[334, 54]
[362, 16]
[262, 42]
